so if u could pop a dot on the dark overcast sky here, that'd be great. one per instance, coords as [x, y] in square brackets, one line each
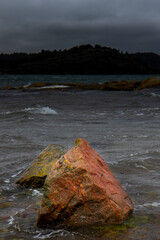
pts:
[32, 25]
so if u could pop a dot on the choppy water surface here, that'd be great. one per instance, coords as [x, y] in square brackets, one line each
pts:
[123, 127]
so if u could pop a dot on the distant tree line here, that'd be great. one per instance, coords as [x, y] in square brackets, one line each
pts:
[83, 59]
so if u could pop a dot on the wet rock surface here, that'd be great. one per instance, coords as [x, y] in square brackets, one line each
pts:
[35, 175]
[80, 190]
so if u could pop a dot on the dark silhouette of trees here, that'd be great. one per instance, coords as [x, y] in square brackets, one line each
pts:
[83, 59]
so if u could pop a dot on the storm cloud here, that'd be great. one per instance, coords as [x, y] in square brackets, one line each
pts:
[33, 25]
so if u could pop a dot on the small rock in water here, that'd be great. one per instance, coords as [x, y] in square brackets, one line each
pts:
[80, 190]
[35, 175]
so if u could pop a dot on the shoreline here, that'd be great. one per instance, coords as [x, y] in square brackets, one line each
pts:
[110, 86]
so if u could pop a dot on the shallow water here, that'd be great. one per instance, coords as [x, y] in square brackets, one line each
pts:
[123, 127]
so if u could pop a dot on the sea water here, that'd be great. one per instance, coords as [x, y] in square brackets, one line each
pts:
[123, 127]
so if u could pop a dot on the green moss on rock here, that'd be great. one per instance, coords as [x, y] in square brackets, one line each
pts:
[35, 175]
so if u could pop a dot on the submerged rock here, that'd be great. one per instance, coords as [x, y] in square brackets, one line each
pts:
[119, 86]
[80, 190]
[149, 83]
[108, 86]
[35, 175]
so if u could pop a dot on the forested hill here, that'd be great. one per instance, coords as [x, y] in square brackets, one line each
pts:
[83, 59]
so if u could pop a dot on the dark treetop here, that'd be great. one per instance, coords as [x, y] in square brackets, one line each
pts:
[83, 59]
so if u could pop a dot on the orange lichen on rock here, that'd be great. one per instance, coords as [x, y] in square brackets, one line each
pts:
[119, 86]
[80, 190]
[149, 83]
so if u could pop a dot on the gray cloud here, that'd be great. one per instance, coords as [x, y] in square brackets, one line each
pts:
[32, 25]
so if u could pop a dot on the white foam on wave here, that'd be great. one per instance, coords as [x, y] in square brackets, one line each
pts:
[53, 233]
[133, 154]
[142, 136]
[41, 110]
[140, 166]
[150, 109]
[34, 110]
[36, 193]
[6, 113]
[15, 175]
[140, 114]
[7, 180]
[55, 86]
[155, 95]
[11, 220]
[27, 85]
[153, 204]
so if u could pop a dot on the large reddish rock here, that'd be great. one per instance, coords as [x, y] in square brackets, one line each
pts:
[80, 190]
[35, 175]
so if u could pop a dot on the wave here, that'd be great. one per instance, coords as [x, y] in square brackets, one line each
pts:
[155, 94]
[15, 175]
[54, 86]
[140, 166]
[51, 234]
[152, 204]
[36, 193]
[41, 110]
[34, 110]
